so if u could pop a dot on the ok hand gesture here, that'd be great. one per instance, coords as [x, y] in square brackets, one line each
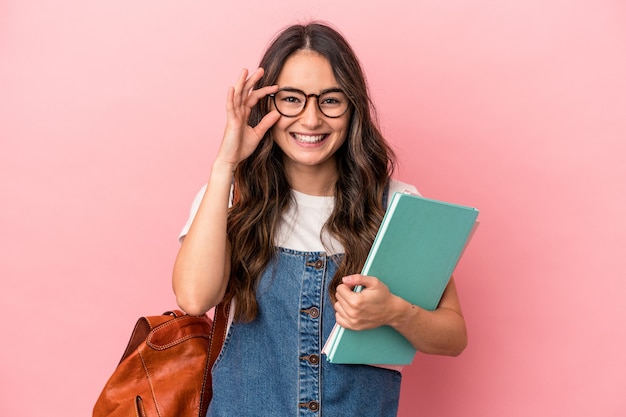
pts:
[241, 139]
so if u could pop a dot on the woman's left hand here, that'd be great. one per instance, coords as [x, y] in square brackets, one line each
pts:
[372, 307]
[440, 332]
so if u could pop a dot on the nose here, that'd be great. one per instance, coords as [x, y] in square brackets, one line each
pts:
[311, 115]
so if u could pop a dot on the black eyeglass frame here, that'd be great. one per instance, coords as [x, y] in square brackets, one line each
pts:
[306, 100]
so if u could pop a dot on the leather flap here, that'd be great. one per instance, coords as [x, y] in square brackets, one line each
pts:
[178, 330]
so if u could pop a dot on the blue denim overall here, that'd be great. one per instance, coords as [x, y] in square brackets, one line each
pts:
[272, 366]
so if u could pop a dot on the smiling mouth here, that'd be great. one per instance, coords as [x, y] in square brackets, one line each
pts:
[308, 138]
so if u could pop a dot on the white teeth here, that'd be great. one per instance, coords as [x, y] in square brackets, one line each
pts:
[308, 138]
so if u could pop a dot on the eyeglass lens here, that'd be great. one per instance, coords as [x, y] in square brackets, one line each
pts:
[291, 103]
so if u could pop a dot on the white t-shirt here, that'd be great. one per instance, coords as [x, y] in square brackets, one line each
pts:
[302, 222]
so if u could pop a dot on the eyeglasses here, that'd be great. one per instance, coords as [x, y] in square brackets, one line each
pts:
[291, 102]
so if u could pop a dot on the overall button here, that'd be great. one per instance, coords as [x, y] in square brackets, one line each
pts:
[313, 312]
[311, 405]
[312, 359]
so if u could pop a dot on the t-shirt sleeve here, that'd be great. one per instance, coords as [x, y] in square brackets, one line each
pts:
[195, 205]
[192, 212]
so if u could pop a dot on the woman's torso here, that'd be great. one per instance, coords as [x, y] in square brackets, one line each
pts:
[273, 366]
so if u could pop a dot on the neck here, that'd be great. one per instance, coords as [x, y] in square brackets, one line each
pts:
[316, 181]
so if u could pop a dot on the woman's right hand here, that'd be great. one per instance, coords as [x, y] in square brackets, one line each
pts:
[241, 139]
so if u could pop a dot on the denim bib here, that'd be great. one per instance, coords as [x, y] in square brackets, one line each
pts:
[273, 365]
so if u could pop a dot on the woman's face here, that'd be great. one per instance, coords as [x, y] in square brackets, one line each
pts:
[310, 139]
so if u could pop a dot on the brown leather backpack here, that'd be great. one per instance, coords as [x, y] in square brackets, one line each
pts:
[166, 368]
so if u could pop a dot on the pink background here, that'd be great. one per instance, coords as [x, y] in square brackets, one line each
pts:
[111, 112]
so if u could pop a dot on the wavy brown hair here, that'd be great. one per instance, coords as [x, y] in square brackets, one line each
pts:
[364, 162]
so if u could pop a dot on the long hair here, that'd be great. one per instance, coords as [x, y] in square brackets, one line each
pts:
[364, 162]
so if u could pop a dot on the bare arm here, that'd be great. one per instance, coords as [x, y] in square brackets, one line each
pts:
[440, 332]
[202, 266]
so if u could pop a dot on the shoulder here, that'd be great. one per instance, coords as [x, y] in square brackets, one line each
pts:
[195, 206]
[200, 195]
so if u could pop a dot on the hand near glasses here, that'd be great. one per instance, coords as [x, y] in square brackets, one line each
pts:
[241, 139]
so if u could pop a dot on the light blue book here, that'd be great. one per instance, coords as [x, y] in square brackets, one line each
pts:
[416, 249]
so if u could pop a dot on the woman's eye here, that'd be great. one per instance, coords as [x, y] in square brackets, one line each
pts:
[330, 101]
[291, 99]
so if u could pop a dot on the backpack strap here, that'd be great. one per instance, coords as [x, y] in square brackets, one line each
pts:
[218, 335]
[218, 332]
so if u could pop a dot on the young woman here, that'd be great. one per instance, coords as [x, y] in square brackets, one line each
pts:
[312, 173]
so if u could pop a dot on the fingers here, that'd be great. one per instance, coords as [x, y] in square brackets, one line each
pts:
[240, 139]
[266, 123]
[358, 279]
[348, 297]
[350, 317]
[365, 307]
[360, 311]
[242, 97]
[245, 83]
[230, 97]
[243, 90]
[239, 88]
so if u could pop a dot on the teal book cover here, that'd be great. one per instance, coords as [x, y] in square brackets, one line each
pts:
[416, 249]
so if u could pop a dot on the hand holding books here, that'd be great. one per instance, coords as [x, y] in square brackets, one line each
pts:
[418, 246]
